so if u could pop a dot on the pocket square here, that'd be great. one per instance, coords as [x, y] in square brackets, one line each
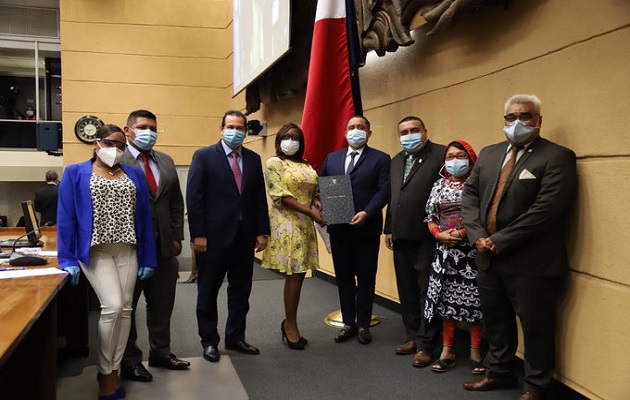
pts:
[525, 174]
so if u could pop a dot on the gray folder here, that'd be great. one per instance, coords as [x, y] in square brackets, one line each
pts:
[335, 193]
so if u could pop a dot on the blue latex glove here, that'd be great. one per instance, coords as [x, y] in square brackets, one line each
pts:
[145, 273]
[75, 274]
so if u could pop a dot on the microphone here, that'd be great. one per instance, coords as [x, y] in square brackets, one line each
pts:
[24, 260]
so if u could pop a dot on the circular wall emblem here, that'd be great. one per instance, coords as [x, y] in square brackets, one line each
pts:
[86, 127]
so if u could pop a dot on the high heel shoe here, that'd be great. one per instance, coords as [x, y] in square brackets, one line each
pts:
[299, 345]
[192, 278]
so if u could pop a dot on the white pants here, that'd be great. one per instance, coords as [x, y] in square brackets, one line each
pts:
[112, 273]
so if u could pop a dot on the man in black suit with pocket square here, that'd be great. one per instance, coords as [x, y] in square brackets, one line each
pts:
[355, 245]
[515, 206]
[228, 219]
[413, 173]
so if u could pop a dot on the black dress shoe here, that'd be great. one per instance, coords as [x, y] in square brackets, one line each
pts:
[346, 333]
[242, 347]
[168, 361]
[364, 336]
[211, 353]
[136, 372]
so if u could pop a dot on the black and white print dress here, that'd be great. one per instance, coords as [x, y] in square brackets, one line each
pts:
[114, 208]
[453, 292]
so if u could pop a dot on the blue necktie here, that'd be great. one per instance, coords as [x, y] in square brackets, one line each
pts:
[351, 165]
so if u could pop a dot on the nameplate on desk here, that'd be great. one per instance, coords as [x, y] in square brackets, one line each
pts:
[335, 193]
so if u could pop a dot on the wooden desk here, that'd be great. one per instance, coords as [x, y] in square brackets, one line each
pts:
[29, 329]
[28, 337]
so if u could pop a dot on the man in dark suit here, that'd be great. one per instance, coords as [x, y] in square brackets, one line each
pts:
[167, 209]
[355, 245]
[515, 207]
[46, 199]
[413, 173]
[228, 218]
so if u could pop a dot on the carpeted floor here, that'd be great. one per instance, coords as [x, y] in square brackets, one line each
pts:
[325, 370]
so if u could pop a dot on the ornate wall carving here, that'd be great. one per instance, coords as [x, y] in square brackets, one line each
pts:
[383, 26]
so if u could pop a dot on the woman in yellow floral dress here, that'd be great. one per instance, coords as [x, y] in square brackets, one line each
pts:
[292, 250]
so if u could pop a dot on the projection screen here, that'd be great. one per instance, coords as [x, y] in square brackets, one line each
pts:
[261, 37]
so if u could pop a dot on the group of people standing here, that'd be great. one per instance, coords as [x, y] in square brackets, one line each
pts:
[120, 221]
[475, 240]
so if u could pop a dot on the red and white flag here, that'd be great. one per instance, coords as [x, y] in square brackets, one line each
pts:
[329, 92]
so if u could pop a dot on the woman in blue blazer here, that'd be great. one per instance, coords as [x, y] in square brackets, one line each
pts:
[104, 228]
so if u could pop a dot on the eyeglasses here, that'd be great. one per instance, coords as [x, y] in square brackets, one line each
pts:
[287, 136]
[112, 143]
[522, 116]
[458, 157]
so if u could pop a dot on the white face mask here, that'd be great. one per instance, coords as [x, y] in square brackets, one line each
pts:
[110, 156]
[289, 146]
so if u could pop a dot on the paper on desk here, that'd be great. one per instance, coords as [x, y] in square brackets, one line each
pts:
[21, 273]
[29, 250]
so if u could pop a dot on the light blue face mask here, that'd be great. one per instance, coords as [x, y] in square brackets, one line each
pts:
[145, 139]
[457, 168]
[411, 142]
[356, 138]
[233, 138]
[518, 131]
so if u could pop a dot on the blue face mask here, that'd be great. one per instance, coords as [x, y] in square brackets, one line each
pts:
[518, 131]
[411, 142]
[356, 138]
[233, 138]
[457, 168]
[145, 139]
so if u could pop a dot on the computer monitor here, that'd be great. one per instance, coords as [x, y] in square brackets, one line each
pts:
[30, 224]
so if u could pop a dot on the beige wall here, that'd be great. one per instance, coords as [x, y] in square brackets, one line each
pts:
[176, 61]
[173, 58]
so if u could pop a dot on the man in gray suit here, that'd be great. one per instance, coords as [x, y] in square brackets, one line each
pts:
[515, 207]
[167, 207]
[413, 172]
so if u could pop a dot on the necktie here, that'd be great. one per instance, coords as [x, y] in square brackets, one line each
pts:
[149, 174]
[506, 170]
[351, 165]
[236, 171]
[409, 160]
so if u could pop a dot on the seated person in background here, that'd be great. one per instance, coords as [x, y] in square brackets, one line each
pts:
[30, 114]
[46, 199]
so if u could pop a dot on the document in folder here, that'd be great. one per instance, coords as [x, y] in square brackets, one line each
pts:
[335, 193]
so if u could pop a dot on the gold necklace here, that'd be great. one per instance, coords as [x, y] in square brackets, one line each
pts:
[112, 173]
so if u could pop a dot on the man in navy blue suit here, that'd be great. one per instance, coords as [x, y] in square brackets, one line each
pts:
[228, 219]
[355, 245]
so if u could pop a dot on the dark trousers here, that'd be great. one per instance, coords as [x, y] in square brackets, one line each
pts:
[533, 299]
[159, 293]
[355, 257]
[412, 262]
[237, 261]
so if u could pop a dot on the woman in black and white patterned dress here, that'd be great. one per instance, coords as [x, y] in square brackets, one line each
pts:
[453, 293]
